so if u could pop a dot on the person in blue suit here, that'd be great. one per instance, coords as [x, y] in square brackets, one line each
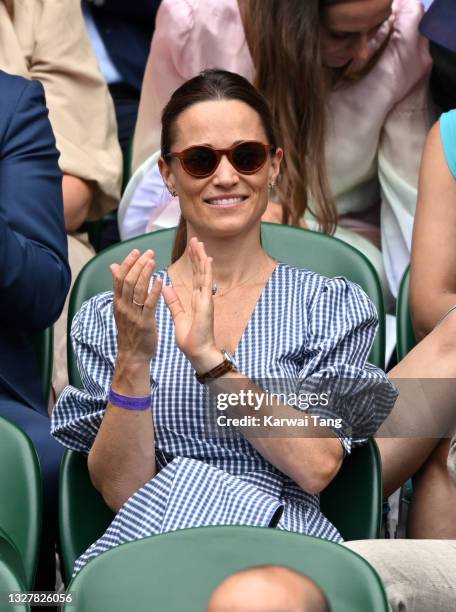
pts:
[34, 272]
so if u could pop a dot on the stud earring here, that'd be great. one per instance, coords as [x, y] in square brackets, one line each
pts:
[271, 185]
[172, 192]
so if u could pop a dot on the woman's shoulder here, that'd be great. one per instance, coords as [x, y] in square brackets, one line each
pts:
[329, 302]
[94, 314]
[312, 286]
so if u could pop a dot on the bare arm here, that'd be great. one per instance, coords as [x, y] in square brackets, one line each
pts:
[433, 269]
[77, 197]
[122, 458]
[312, 462]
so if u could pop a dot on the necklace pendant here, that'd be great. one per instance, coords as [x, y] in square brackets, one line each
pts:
[214, 289]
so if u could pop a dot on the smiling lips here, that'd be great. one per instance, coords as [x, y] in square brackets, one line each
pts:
[226, 201]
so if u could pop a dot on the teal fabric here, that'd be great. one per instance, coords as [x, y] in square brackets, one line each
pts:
[448, 133]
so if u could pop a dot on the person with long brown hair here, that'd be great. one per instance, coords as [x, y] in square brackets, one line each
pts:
[347, 83]
[225, 319]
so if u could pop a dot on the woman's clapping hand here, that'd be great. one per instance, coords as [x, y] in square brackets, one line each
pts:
[134, 306]
[194, 327]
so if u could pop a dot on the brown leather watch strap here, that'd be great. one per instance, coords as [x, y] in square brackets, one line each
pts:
[219, 370]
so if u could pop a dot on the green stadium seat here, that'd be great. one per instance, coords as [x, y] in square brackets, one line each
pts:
[21, 496]
[178, 571]
[44, 348]
[406, 338]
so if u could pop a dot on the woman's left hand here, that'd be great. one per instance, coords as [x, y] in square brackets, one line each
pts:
[194, 328]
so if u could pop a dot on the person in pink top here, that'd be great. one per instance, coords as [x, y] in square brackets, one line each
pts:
[347, 81]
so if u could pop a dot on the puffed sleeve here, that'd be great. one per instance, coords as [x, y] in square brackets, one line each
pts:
[402, 139]
[190, 36]
[80, 107]
[78, 413]
[341, 329]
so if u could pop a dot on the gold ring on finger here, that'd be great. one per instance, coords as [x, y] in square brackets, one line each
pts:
[138, 304]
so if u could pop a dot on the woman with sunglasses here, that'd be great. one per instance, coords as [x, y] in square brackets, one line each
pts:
[167, 370]
[347, 84]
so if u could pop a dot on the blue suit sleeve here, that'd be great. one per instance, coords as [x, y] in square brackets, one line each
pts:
[34, 270]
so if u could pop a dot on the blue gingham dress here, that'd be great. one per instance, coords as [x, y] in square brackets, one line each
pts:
[304, 327]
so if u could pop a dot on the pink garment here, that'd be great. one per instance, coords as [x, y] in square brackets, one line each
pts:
[376, 129]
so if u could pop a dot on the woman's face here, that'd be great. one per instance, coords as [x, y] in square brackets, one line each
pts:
[227, 202]
[347, 28]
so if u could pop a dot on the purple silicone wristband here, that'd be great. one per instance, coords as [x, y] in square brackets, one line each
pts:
[129, 403]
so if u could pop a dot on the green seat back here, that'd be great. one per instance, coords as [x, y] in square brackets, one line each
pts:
[178, 571]
[83, 515]
[44, 349]
[21, 495]
[406, 338]
[353, 501]
[9, 582]
[10, 555]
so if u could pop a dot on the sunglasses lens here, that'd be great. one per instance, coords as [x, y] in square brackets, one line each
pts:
[249, 156]
[200, 161]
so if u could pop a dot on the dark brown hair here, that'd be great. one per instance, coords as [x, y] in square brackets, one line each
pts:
[210, 85]
[284, 41]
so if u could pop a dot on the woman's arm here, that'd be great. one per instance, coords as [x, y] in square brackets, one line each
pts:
[122, 458]
[77, 197]
[433, 270]
[312, 461]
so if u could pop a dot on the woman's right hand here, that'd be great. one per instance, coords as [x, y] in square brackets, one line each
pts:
[134, 306]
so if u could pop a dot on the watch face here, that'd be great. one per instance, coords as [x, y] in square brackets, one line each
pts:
[229, 357]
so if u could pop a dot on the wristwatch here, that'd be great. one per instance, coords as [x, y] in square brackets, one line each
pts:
[228, 365]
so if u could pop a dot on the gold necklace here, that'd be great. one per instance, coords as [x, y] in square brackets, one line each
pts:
[215, 287]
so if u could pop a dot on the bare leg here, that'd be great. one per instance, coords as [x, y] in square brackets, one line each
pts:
[432, 512]
[424, 406]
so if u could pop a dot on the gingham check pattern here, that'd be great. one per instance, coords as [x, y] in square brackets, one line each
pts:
[304, 327]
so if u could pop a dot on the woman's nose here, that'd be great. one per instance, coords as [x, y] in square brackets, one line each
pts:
[225, 174]
[361, 51]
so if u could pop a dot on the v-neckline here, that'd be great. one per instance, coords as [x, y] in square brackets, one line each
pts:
[252, 317]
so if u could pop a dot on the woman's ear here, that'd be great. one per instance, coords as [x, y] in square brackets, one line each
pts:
[167, 175]
[276, 160]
